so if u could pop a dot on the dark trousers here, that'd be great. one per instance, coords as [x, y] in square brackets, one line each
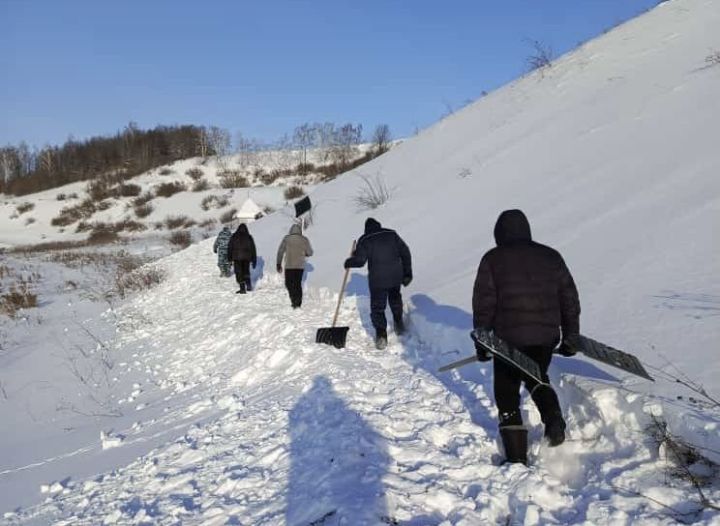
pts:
[379, 299]
[242, 273]
[293, 284]
[506, 383]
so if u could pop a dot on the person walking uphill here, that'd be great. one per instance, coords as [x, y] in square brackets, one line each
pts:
[220, 247]
[525, 293]
[294, 248]
[241, 251]
[389, 266]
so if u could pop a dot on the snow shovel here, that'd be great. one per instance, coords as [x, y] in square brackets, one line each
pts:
[332, 335]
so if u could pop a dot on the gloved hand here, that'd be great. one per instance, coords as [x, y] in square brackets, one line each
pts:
[279, 268]
[348, 263]
[406, 281]
[569, 345]
[254, 264]
[482, 353]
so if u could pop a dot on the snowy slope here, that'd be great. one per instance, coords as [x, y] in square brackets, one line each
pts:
[231, 414]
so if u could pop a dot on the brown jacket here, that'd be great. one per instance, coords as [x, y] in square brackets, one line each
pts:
[523, 290]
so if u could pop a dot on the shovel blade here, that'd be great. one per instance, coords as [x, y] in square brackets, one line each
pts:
[334, 336]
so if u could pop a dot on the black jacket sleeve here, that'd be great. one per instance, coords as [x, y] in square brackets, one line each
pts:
[405, 257]
[253, 258]
[484, 296]
[359, 257]
[569, 302]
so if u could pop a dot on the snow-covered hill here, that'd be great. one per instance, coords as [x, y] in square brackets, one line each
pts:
[203, 195]
[231, 414]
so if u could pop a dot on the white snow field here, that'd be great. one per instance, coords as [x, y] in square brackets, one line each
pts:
[227, 412]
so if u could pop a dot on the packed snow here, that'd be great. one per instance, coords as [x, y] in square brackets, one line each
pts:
[189, 404]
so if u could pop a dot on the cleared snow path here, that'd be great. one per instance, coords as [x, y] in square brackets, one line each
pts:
[290, 432]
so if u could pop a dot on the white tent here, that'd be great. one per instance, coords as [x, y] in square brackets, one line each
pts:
[249, 211]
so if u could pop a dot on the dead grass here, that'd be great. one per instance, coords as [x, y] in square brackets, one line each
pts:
[232, 179]
[24, 207]
[214, 201]
[228, 216]
[293, 192]
[169, 189]
[173, 222]
[142, 211]
[180, 238]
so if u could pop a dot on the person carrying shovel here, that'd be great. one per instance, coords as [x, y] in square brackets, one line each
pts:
[389, 266]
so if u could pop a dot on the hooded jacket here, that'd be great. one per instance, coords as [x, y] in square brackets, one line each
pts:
[220, 247]
[523, 290]
[387, 255]
[242, 246]
[294, 247]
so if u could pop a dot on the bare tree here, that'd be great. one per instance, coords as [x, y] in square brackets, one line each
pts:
[381, 138]
[304, 138]
[345, 143]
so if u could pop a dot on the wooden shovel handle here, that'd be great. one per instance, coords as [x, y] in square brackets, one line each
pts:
[342, 288]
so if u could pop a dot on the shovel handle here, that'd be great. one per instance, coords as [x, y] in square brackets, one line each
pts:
[342, 288]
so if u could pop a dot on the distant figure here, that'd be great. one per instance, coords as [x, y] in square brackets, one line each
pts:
[221, 249]
[389, 266]
[295, 247]
[525, 294]
[241, 251]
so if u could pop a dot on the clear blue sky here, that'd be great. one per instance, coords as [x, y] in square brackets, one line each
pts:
[87, 67]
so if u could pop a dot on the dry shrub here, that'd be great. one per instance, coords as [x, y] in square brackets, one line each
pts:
[293, 192]
[29, 221]
[129, 190]
[100, 189]
[200, 185]
[214, 201]
[180, 238]
[102, 237]
[166, 171]
[713, 59]
[372, 194]
[73, 214]
[194, 173]
[104, 205]
[305, 168]
[18, 296]
[142, 211]
[143, 199]
[131, 276]
[207, 223]
[169, 189]
[24, 207]
[50, 246]
[61, 197]
[173, 222]
[228, 215]
[232, 179]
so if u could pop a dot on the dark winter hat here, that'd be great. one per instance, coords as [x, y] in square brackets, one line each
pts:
[242, 229]
[512, 226]
[372, 225]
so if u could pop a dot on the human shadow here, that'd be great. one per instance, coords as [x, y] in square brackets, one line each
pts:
[308, 269]
[447, 315]
[257, 273]
[358, 286]
[446, 323]
[337, 462]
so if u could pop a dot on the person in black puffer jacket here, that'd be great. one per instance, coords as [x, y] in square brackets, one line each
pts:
[389, 267]
[526, 295]
[241, 251]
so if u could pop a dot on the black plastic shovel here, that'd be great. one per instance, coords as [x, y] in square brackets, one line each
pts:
[333, 335]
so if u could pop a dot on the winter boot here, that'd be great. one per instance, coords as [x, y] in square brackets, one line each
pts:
[399, 326]
[381, 339]
[242, 288]
[515, 442]
[555, 430]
